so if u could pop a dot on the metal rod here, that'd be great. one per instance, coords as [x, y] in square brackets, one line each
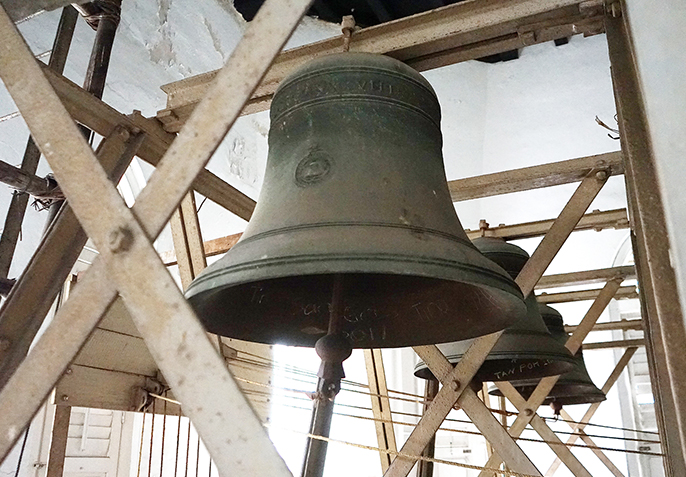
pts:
[328, 385]
[17, 208]
[320, 425]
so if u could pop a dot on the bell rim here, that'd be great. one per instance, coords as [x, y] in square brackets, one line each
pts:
[560, 364]
[294, 260]
[588, 394]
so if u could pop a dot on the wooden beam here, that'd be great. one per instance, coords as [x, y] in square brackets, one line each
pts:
[611, 380]
[228, 426]
[187, 238]
[58, 443]
[103, 119]
[212, 247]
[612, 325]
[627, 292]
[381, 405]
[464, 371]
[33, 294]
[588, 277]
[535, 177]
[616, 219]
[17, 208]
[546, 384]
[661, 302]
[479, 414]
[425, 468]
[459, 32]
[556, 445]
[615, 344]
[596, 220]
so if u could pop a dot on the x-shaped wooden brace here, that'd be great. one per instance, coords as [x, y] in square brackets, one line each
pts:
[458, 378]
[128, 263]
[527, 413]
[579, 426]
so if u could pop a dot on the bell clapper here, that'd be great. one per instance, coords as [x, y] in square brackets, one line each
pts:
[557, 407]
[333, 349]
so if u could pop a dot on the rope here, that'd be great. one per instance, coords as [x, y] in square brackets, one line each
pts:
[309, 394]
[464, 431]
[402, 454]
[628, 429]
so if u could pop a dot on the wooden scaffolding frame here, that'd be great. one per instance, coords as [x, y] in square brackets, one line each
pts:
[202, 110]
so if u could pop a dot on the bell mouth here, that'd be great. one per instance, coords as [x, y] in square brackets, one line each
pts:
[380, 310]
[508, 369]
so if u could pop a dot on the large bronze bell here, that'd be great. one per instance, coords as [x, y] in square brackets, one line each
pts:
[355, 187]
[526, 349]
[574, 387]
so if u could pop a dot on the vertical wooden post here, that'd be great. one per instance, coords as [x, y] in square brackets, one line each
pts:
[188, 243]
[58, 444]
[663, 316]
[426, 468]
[381, 405]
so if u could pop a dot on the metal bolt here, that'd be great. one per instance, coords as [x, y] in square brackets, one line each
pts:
[65, 397]
[4, 344]
[120, 239]
[601, 175]
[124, 134]
[529, 412]
[455, 385]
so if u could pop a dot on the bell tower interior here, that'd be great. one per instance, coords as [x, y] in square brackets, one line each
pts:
[342, 237]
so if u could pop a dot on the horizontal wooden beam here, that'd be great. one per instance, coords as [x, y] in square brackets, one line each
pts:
[584, 295]
[615, 344]
[20, 180]
[212, 247]
[596, 220]
[587, 277]
[612, 325]
[440, 37]
[535, 177]
[103, 119]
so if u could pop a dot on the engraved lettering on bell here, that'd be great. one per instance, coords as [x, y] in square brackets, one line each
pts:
[313, 168]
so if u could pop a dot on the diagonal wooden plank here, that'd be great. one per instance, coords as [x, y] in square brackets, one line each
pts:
[264, 38]
[557, 446]
[611, 380]
[479, 414]
[102, 118]
[546, 384]
[465, 370]
[32, 295]
[594, 448]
